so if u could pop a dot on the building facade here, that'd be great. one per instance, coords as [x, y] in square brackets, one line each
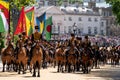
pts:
[71, 20]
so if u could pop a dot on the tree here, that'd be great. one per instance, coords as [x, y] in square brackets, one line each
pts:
[60, 2]
[14, 8]
[115, 8]
[20, 3]
[73, 1]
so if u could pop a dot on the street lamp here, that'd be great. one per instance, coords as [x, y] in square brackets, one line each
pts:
[74, 28]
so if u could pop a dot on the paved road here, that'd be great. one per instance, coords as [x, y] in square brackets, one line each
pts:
[105, 73]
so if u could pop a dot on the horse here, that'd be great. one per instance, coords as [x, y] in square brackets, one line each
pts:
[114, 57]
[7, 56]
[22, 57]
[72, 58]
[86, 61]
[28, 49]
[36, 60]
[60, 58]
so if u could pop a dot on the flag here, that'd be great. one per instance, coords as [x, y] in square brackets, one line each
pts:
[3, 23]
[40, 21]
[21, 23]
[48, 28]
[4, 6]
[29, 17]
[5, 3]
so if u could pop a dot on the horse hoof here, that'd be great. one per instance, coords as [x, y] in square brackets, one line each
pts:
[34, 75]
[24, 72]
[38, 76]
[18, 72]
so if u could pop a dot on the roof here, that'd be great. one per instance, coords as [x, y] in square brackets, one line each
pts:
[49, 10]
[78, 10]
[65, 10]
[103, 4]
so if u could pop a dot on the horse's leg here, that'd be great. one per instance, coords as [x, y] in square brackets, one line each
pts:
[65, 66]
[74, 68]
[62, 67]
[19, 68]
[23, 66]
[3, 67]
[69, 67]
[78, 66]
[84, 68]
[34, 72]
[38, 69]
[58, 66]
[8, 67]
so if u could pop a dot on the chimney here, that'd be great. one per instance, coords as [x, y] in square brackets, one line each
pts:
[91, 4]
[65, 3]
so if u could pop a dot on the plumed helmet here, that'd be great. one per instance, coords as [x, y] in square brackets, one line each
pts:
[86, 37]
[23, 33]
[36, 27]
[19, 35]
[72, 35]
[79, 38]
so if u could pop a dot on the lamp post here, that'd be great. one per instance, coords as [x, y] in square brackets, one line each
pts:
[74, 28]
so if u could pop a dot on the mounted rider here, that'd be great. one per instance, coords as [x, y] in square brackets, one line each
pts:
[79, 43]
[9, 39]
[72, 43]
[86, 42]
[72, 40]
[36, 36]
[87, 46]
[24, 38]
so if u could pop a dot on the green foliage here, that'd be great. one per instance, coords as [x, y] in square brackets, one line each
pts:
[73, 1]
[60, 2]
[2, 40]
[115, 8]
[20, 3]
[2, 43]
[16, 39]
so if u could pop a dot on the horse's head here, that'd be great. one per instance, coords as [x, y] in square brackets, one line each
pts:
[37, 45]
[20, 43]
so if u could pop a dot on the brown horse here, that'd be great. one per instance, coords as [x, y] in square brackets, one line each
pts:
[72, 57]
[60, 58]
[7, 56]
[22, 57]
[86, 61]
[36, 61]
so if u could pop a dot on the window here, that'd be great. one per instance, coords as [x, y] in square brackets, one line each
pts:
[70, 29]
[79, 31]
[70, 19]
[89, 19]
[64, 19]
[102, 32]
[95, 30]
[65, 29]
[96, 20]
[102, 24]
[89, 30]
[79, 19]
